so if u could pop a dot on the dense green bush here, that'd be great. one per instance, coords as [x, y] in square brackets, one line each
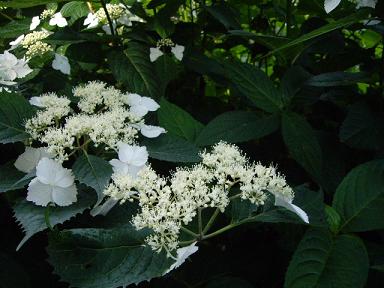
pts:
[298, 84]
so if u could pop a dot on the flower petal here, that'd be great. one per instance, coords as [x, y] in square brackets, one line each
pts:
[330, 5]
[133, 155]
[154, 53]
[150, 131]
[36, 101]
[35, 22]
[39, 193]
[61, 63]
[27, 161]
[64, 196]
[279, 201]
[49, 171]
[182, 255]
[178, 51]
[149, 103]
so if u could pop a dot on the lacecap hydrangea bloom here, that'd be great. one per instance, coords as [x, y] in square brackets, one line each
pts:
[168, 204]
[12, 68]
[102, 116]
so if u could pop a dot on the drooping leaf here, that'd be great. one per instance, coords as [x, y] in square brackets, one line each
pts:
[237, 126]
[324, 260]
[172, 149]
[74, 10]
[94, 172]
[32, 217]
[363, 128]
[14, 111]
[359, 199]
[12, 179]
[99, 258]
[337, 79]
[302, 143]
[177, 121]
[255, 85]
[133, 68]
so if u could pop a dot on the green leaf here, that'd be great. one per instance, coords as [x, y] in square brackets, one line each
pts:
[333, 219]
[177, 121]
[363, 128]
[341, 23]
[226, 14]
[32, 217]
[94, 172]
[15, 28]
[337, 79]
[302, 143]
[237, 126]
[12, 179]
[167, 70]
[255, 85]
[75, 10]
[322, 260]
[133, 68]
[172, 149]
[14, 111]
[359, 199]
[99, 258]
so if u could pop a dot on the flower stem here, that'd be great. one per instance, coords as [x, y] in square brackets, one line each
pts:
[228, 227]
[108, 17]
[46, 217]
[200, 222]
[211, 221]
[186, 230]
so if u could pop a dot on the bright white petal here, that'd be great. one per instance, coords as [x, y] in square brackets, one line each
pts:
[154, 53]
[125, 20]
[133, 155]
[330, 5]
[58, 20]
[35, 22]
[15, 43]
[104, 208]
[119, 167]
[61, 63]
[22, 69]
[178, 51]
[279, 201]
[182, 255]
[64, 196]
[49, 171]
[149, 103]
[91, 21]
[39, 193]
[132, 99]
[36, 101]
[150, 131]
[27, 161]
[139, 111]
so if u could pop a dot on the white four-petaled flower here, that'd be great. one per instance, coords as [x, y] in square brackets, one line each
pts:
[53, 184]
[58, 20]
[131, 160]
[91, 21]
[177, 51]
[182, 255]
[140, 105]
[61, 63]
[12, 68]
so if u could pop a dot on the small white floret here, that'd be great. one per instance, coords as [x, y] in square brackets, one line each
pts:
[131, 160]
[140, 106]
[178, 51]
[35, 22]
[91, 21]
[150, 131]
[154, 53]
[58, 20]
[61, 63]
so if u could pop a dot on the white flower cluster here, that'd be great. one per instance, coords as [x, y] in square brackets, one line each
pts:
[118, 13]
[12, 68]
[166, 204]
[103, 116]
[33, 43]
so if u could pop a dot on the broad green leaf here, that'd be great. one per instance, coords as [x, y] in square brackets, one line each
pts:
[75, 10]
[26, 3]
[32, 217]
[177, 121]
[15, 28]
[12, 179]
[225, 14]
[338, 24]
[302, 143]
[133, 68]
[237, 126]
[337, 79]
[322, 260]
[359, 199]
[14, 111]
[255, 85]
[167, 70]
[99, 258]
[363, 128]
[172, 149]
[94, 172]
